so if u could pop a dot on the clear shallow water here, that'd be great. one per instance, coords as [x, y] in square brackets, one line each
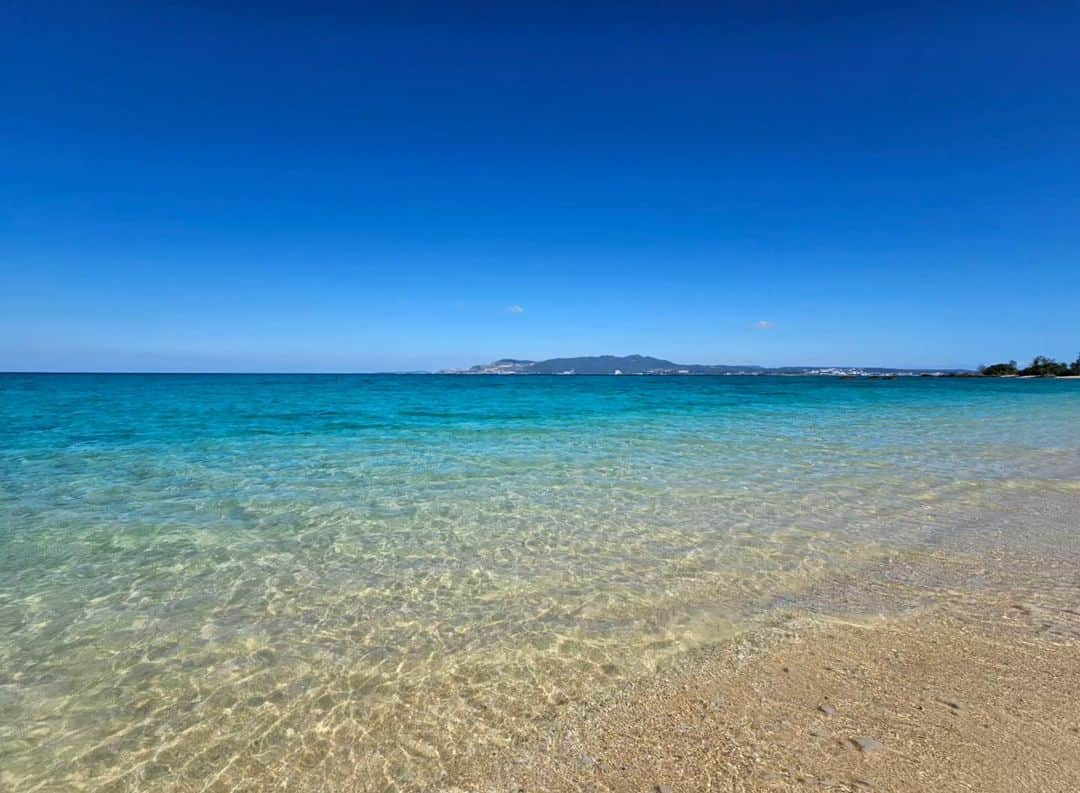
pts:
[343, 583]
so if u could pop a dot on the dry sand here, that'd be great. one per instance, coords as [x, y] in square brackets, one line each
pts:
[967, 689]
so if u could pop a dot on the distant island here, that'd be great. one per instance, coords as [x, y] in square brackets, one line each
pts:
[1041, 366]
[647, 365]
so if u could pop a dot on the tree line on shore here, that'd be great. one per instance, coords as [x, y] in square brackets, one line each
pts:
[1041, 366]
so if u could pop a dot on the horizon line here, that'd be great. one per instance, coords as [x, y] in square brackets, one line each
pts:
[467, 373]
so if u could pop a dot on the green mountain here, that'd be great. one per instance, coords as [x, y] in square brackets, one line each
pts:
[625, 364]
[602, 364]
[644, 364]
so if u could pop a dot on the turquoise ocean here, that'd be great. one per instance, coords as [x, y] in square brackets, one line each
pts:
[289, 582]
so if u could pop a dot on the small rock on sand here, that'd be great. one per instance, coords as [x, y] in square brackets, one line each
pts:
[867, 744]
[664, 789]
[827, 709]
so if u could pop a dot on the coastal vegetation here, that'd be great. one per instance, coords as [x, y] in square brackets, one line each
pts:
[1041, 366]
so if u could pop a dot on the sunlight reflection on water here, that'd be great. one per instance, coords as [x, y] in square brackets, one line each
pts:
[347, 581]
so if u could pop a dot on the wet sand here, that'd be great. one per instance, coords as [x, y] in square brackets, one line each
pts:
[972, 685]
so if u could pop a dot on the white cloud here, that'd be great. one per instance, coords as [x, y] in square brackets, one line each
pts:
[515, 309]
[764, 324]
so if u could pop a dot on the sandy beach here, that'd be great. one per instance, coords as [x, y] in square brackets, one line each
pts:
[966, 689]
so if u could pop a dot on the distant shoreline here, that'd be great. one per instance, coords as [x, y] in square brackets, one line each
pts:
[937, 375]
[647, 365]
[906, 375]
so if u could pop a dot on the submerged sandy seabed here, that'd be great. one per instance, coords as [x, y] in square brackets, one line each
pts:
[950, 666]
[973, 684]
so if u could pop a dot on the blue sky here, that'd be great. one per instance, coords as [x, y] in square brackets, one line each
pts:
[308, 186]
